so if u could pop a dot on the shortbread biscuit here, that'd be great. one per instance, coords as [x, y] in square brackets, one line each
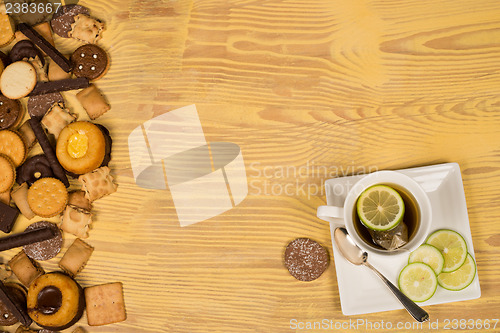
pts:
[13, 146]
[57, 118]
[18, 80]
[20, 198]
[25, 269]
[47, 197]
[7, 173]
[105, 304]
[76, 257]
[93, 101]
[76, 221]
[86, 29]
[98, 183]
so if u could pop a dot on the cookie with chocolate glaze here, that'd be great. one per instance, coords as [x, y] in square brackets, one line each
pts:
[55, 301]
[38, 105]
[305, 259]
[90, 61]
[18, 294]
[11, 112]
[46, 249]
[64, 17]
[34, 168]
[25, 49]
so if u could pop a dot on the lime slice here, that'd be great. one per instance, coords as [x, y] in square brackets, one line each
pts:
[453, 247]
[418, 281]
[380, 208]
[429, 255]
[460, 278]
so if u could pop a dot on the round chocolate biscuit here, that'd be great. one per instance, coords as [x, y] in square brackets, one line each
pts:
[11, 112]
[38, 105]
[89, 61]
[34, 168]
[64, 17]
[305, 259]
[46, 249]
[18, 292]
[25, 49]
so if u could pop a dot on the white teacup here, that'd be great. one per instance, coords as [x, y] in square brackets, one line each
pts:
[344, 216]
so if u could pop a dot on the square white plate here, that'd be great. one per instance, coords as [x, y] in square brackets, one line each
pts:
[361, 291]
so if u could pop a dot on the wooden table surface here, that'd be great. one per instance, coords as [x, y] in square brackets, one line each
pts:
[343, 86]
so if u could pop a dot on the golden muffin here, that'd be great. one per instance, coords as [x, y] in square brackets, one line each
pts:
[81, 147]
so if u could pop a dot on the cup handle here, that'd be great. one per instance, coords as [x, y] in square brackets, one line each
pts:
[331, 214]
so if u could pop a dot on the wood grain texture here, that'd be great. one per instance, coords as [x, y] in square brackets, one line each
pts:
[309, 90]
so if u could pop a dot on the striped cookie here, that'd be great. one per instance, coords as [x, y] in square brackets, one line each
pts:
[7, 173]
[12, 145]
[47, 197]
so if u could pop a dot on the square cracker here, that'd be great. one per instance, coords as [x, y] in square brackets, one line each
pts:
[105, 304]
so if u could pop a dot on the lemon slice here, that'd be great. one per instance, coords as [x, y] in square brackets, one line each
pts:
[418, 281]
[460, 278]
[453, 247]
[380, 208]
[429, 255]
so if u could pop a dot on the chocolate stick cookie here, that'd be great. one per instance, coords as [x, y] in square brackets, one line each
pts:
[26, 237]
[46, 47]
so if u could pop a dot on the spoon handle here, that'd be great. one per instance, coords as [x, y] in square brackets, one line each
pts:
[416, 311]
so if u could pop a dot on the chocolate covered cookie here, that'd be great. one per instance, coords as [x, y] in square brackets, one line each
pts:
[89, 61]
[305, 259]
[64, 17]
[11, 112]
[38, 105]
[34, 168]
[46, 249]
[25, 49]
[55, 301]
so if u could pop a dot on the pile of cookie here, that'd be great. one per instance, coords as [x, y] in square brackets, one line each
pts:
[59, 184]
